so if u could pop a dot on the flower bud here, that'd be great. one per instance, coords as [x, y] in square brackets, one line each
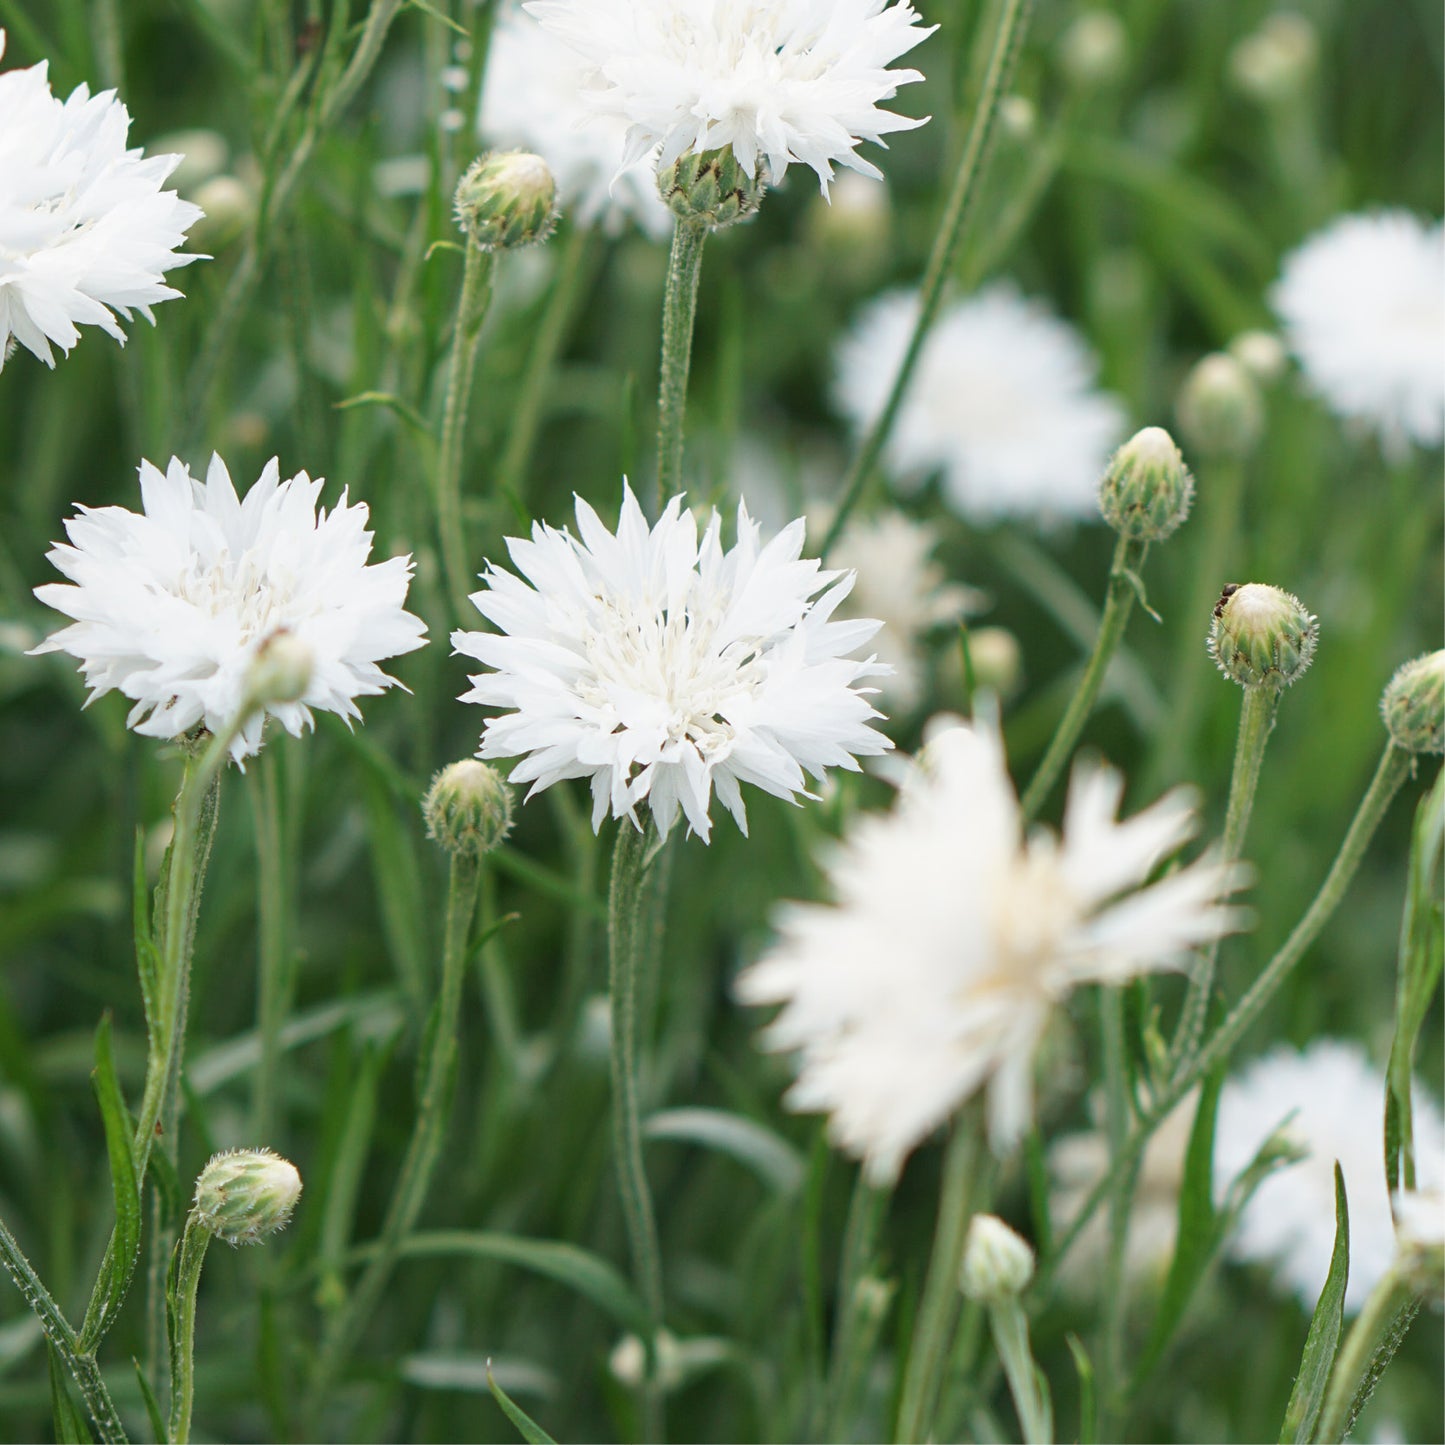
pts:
[1262, 636]
[507, 199]
[468, 808]
[628, 1361]
[1219, 408]
[1018, 117]
[1420, 1236]
[996, 659]
[1414, 705]
[1146, 489]
[203, 154]
[229, 204]
[1261, 354]
[711, 187]
[281, 670]
[1093, 50]
[997, 1263]
[245, 1194]
[1275, 62]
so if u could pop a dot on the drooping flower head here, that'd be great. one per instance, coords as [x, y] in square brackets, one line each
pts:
[85, 229]
[1362, 305]
[781, 81]
[175, 604]
[664, 668]
[1003, 402]
[953, 936]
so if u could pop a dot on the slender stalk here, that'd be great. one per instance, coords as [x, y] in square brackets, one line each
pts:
[345, 1326]
[471, 312]
[1256, 722]
[1393, 769]
[1012, 25]
[1372, 1341]
[191, 1255]
[679, 308]
[1118, 603]
[628, 908]
[1011, 1338]
[851, 1336]
[1114, 1297]
[939, 1306]
[275, 976]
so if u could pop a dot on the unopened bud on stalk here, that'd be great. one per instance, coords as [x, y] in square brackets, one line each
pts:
[1092, 51]
[1262, 636]
[244, 1195]
[996, 658]
[1261, 354]
[1219, 408]
[468, 808]
[1147, 489]
[997, 1262]
[281, 670]
[1275, 62]
[1018, 117]
[229, 204]
[711, 188]
[507, 199]
[1414, 705]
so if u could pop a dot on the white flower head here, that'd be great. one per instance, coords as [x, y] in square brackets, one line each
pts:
[85, 229]
[173, 604]
[1331, 1102]
[1003, 402]
[663, 668]
[954, 936]
[1362, 305]
[780, 81]
[532, 98]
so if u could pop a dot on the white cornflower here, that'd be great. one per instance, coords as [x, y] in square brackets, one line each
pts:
[1362, 305]
[85, 228]
[173, 604]
[663, 668]
[1331, 1102]
[1003, 401]
[532, 99]
[780, 81]
[954, 936]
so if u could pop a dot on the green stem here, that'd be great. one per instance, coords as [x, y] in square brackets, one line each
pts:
[1118, 603]
[1256, 722]
[275, 978]
[1394, 768]
[471, 312]
[190, 1257]
[414, 1180]
[855, 1332]
[1011, 1338]
[1113, 1303]
[679, 308]
[939, 1306]
[1012, 25]
[546, 344]
[628, 909]
[1371, 1343]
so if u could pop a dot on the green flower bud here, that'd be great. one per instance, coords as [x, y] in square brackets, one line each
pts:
[468, 808]
[1262, 636]
[229, 204]
[1274, 63]
[245, 1194]
[281, 670]
[711, 187]
[1414, 704]
[1220, 410]
[507, 199]
[997, 1263]
[1094, 49]
[1146, 489]
[1261, 354]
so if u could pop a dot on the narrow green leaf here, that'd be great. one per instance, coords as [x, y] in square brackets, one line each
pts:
[1323, 1341]
[402, 409]
[753, 1145]
[444, 19]
[1088, 1396]
[147, 957]
[153, 1407]
[530, 1431]
[70, 1426]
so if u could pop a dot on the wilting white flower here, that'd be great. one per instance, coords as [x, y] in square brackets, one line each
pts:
[1331, 1102]
[664, 668]
[954, 936]
[85, 228]
[1003, 402]
[532, 99]
[173, 604]
[782, 80]
[1362, 305]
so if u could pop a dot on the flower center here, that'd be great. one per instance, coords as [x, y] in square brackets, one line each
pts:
[241, 591]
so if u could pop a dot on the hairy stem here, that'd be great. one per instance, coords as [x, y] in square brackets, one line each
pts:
[189, 1258]
[679, 308]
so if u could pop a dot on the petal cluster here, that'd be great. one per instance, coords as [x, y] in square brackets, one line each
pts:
[172, 604]
[953, 937]
[780, 81]
[1004, 403]
[664, 668]
[1362, 305]
[85, 229]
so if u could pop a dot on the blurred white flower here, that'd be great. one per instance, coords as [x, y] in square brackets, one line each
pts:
[1362, 305]
[953, 937]
[172, 605]
[784, 81]
[85, 229]
[1003, 401]
[1331, 1102]
[532, 99]
[664, 668]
